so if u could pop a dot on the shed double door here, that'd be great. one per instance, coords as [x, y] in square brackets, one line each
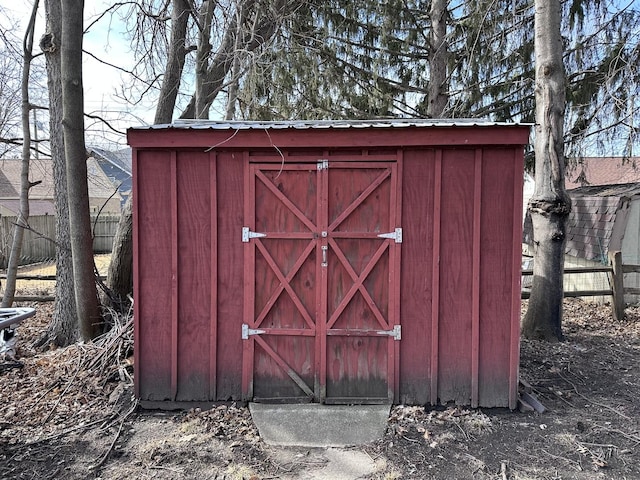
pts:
[322, 261]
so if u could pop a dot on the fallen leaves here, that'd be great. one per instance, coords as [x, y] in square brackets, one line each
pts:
[62, 388]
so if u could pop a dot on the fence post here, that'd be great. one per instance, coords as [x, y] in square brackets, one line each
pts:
[617, 285]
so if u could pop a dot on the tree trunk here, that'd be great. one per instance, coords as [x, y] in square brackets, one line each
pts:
[89, 320]
[63, 329]
[202, 58]
[23, 213]
[175, 62]
[438, 98]
[550, 205]
[120, 275]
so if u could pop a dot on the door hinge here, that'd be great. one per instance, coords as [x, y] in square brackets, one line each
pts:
[248, 234]
[323, 164]
[246, 331]
[396, 235]
[396, 332]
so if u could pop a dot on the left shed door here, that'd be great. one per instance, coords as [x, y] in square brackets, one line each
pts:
[281, 345]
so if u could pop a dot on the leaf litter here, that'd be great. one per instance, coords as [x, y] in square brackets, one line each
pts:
[70, 413]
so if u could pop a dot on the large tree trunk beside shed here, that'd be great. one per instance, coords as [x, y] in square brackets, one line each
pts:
[550, 205]
[89, 318]
[63, 329]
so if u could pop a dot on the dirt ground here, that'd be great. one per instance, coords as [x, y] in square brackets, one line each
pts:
[69, 413]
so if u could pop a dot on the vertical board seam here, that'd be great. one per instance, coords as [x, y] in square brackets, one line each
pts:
[475, 285]
[435, 276]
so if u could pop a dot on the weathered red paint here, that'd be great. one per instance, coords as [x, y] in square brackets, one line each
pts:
[452, 284]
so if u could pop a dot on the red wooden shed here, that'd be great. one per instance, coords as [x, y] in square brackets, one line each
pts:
[327, 261]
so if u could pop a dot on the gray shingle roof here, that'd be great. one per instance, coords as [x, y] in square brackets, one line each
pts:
[594, 212]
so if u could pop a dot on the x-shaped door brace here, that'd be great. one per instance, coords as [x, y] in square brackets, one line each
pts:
[358, 284]
[285, 284]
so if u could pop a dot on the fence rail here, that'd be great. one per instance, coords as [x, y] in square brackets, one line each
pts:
[38, 244]
[616, 271]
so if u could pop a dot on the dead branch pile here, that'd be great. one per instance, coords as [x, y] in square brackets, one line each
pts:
[66, 389]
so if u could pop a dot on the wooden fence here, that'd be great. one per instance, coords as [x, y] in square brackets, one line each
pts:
[39, 239]
[615, 271]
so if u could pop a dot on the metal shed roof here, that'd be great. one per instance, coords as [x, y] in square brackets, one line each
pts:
[326, 124]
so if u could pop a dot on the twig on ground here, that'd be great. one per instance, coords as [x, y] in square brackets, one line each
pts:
[75, 375]
[466, 436]
[63, 433]
[576, 465]
[103, 458]
[575, 389]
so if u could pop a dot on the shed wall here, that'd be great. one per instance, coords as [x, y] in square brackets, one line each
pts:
[459, 285]
[459, 313]
[188, 267]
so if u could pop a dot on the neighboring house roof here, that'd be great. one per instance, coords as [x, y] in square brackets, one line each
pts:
[597, 221]
[603, 171]
[116, 166]
[41, 170]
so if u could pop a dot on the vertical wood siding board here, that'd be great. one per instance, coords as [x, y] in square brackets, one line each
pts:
[475, 315]
[496, 280]
[213, 333]
[154, 274]
[435, 276]
[174, 276]
[514, 360]
[194, 275]
[417, 182]
[397, 251]
[323, 317]
[136, 272]
[249, 277]
[230, 269]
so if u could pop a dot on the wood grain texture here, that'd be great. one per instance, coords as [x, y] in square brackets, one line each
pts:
[496, 277]
[416, 267]
[456, 260]
[230, 197]
[194, 275]
[152, 297]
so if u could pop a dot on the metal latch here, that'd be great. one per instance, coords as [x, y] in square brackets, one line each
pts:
[323, 164]
[396, 235]
[246, 331]
[324, 256]
[396, 333]
[248, 234]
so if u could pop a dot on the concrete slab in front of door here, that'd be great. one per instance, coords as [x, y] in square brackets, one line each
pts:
[315, 425]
